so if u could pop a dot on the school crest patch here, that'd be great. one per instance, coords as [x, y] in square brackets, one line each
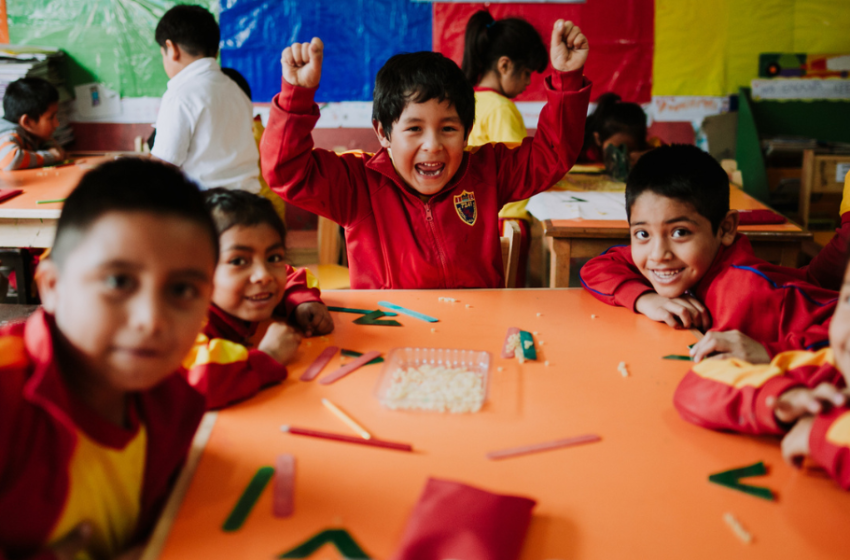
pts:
[466, 207]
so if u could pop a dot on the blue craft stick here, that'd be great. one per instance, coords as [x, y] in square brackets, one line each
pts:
[406, 311]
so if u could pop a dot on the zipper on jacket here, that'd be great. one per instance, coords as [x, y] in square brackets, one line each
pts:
[429, 217]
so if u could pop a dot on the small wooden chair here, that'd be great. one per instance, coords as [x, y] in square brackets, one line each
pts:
[510, 252]
[331, 275]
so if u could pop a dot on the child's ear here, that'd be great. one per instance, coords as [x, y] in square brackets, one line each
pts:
[47, 278]
[728, 227]
[383, 138]
[172, 50]
[504, 66]
[26, 122]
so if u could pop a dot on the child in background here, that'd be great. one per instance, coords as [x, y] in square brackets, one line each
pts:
[615, 122]
[253, 281]
[688, 267]
[826, 268]
[800, 394]
[204, 121]
[498, 59]
[422, 212]
[29, 119]
[94, 405]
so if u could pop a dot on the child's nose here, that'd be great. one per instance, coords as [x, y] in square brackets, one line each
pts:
[148, 313]
[660, 250]
[261, 274]
[433, 143]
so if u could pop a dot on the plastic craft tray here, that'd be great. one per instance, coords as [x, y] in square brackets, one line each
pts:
[476, 361]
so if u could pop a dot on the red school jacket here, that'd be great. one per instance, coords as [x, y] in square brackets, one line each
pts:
[39, 419]
[772, 304]
[732, 395]
[394, 239]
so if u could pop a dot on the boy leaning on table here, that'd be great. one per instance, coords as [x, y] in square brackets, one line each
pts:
[688, 266]
[96, 413]
[29, 120]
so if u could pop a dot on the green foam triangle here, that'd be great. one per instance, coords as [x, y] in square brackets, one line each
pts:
[340, 538]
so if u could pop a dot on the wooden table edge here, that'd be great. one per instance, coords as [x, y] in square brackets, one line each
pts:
[169, 513]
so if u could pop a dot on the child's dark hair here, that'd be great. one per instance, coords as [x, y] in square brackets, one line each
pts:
[129, 185]
[615, 116]
[28, 96]
[192, 27]
[684, 173]
[231, 208]
[416, 78]
[487, 40]
[240, 80]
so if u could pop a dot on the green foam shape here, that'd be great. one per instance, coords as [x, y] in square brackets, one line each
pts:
[359, 311]
[340, 538]
[677, 357]
[373, 319]
[731, 479]
[249, 497]
[529, 353]
[356, 354]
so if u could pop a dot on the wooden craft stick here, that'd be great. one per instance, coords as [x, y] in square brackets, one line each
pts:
[347, 420]
[347, 439]
[348, 368]
[737, 528]
[319, 363]
[50, 201]
[538, 447]
[284, 485]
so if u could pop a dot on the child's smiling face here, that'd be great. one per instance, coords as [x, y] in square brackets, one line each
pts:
[426, 145]
[673, 245]
[250, 278]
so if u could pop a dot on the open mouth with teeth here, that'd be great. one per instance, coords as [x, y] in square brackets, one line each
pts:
[431, 169]
[260, 298]
[666, 275]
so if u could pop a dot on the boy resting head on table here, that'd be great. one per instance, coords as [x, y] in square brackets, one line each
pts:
[799, 394]
[30, 106]
[96, 416]
[688, 266]
[422, 212]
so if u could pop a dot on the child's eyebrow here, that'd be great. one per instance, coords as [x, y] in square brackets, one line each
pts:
[275, 247]
[192, 273]
[680, 219]
[245, 248]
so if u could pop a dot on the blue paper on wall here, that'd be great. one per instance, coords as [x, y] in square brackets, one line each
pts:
[359, 37]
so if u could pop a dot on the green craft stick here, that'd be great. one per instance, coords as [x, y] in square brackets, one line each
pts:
[577, 199]
[676, 357]
[360, 311]
[356, 354]
[529, 353]
[731, 479]
[340, 538]
[372, 319]
[248, 499]
[49, 201]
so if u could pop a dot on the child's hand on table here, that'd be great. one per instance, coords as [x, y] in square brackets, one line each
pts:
[729, 344]
[313, 318]
[795, 444]
[58, 153]
[798, 402]
[302, 63]
[569, 47]
[681, 312]
[280, 342]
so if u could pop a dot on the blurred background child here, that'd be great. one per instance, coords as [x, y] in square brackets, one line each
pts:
[498, 59]
[29, 119]
[616, 123]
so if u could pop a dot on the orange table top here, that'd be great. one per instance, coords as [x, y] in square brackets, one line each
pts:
[738, 199]
[48, 183]
[642, 492]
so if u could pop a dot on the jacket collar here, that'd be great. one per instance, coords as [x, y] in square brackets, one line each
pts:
[739, 251]
[383, 164]
[188, 74]
[228, 326]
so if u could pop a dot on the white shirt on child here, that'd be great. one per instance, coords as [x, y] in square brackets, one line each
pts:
[204, 127]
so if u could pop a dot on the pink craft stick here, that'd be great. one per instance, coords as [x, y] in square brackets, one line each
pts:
[505, 352]
[284, 485]
[538, 447]
[319, 363]
[346, 369]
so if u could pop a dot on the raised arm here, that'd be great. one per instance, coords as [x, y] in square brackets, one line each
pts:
[316, 180]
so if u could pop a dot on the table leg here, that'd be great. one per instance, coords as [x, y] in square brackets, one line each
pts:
[790, 255]
[559, 267]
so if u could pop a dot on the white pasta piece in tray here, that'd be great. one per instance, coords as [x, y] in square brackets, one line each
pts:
[435, 388]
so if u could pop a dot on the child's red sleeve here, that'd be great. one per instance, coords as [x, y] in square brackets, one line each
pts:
[313, 179]
[613, 278]
[541, 161]
[829, 444]
[732, 394]
[827, 268]
[298, 290]
[226, 372]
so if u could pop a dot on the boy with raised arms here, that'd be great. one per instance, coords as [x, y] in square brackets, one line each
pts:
[422, 212]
